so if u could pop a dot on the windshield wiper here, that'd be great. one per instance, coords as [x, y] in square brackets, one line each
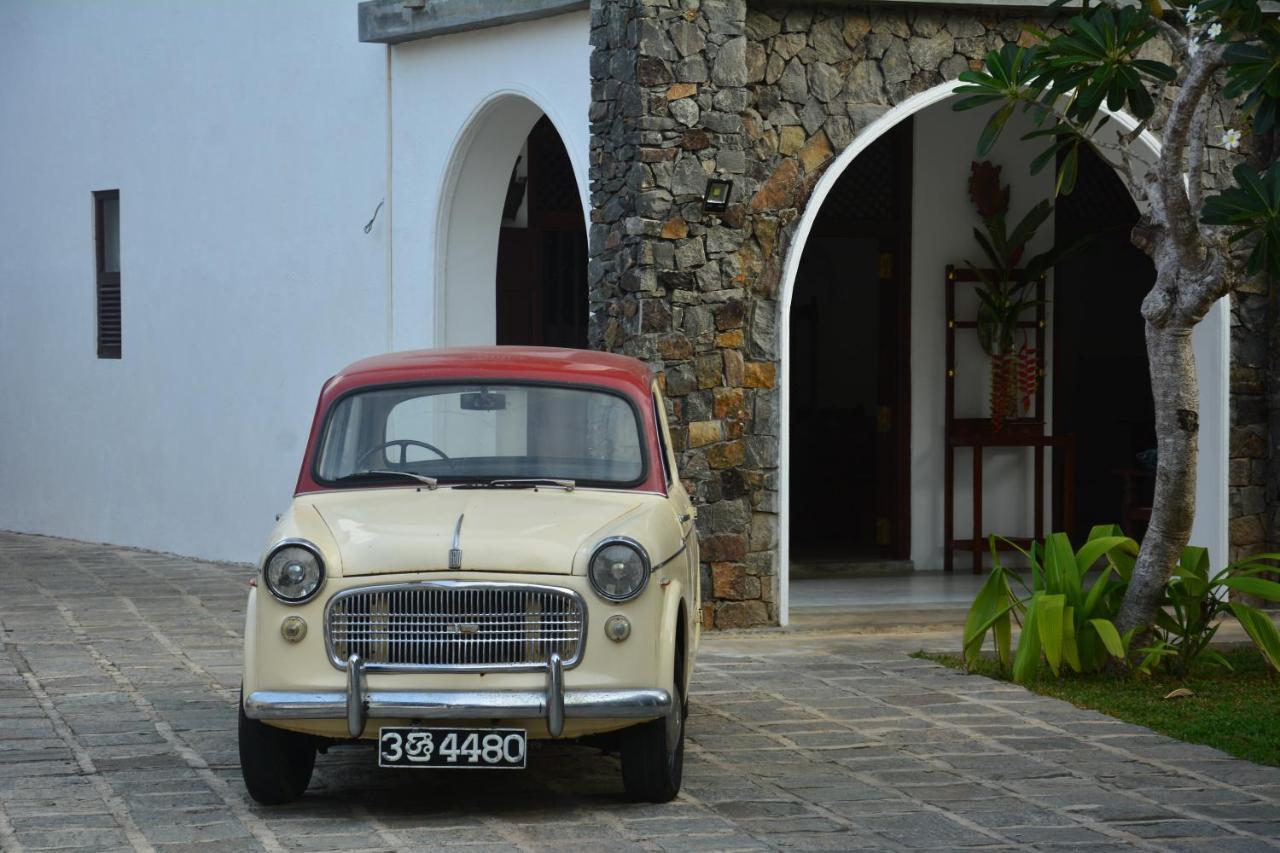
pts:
[518, 483]
[429, 482]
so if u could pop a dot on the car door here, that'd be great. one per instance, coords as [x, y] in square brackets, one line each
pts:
[681, 505]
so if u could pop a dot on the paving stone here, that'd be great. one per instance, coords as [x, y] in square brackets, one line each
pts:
[796, 742]
[1172, 829]
[927, 829]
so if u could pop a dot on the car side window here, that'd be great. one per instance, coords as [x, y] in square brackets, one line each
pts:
[664, 440]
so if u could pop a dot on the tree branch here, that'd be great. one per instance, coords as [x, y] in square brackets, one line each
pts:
[1195, 161]
[1175, 206]
[1177, 39]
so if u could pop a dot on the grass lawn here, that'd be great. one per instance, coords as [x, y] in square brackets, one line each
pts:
[1237, 712]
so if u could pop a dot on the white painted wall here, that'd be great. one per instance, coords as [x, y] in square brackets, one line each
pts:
[247, 141]
[250, 145]
[462, 107]
[943, 219]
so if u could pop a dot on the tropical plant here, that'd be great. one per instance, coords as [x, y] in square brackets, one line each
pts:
[1194, 605]
[1065, 614]
[1004, 290]
[1063, 82]
[1067, 611]
[1005, 280]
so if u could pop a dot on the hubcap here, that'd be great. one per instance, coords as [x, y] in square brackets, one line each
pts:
[675, 722]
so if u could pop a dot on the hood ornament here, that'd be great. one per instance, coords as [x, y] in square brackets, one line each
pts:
[455, 553]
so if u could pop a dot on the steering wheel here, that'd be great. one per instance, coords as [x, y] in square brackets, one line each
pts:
[404, 444]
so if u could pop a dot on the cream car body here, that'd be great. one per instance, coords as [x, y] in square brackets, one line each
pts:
[457, 536]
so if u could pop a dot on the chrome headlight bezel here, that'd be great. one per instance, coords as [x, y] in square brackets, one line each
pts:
[302, 544]
[638, 549]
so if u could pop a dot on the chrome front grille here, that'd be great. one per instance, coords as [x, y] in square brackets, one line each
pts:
[455, 625]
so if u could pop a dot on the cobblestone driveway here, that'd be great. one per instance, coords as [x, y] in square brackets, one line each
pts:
[117, 730]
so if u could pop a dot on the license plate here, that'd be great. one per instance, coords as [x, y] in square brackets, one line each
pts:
[489, 749]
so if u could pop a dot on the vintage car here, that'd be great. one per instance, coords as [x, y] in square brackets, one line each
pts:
[486, 545]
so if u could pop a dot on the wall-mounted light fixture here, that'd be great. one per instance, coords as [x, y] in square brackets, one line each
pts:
[717, 194]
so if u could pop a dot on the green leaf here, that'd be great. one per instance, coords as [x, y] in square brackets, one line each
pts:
[1097, 592]
[1068, 170]
[1027, 657]
[1160, 71]
[1002, 629]
[992, 601]
[1094, 549]
[1253, 72]
[1270, 590]
[1261, 630]
[991, 132]
[1252, 210]
[1194, 562]
[1027, 226]
[1049, 621]
[1213, 657]
[1140, 102]
[1070, 649]
[1060, 566]
[1106, 631]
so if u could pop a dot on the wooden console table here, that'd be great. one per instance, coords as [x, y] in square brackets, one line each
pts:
[978, 440]
[978, 434]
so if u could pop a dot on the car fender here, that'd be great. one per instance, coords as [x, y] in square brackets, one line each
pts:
[249, 677]
[673, 593]
[303, 521]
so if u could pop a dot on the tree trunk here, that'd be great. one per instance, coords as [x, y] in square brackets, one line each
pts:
[1177, 410]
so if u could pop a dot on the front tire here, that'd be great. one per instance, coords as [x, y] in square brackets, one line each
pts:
[276, 764]
[651, 771]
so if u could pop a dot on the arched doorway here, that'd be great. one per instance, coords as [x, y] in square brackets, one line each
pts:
[850, 366]
[511, 255]
[542, 248]
[1100, 291]
[1211, 341]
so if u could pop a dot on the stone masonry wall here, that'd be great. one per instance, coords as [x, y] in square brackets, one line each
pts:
[685, 90]
[1252, 500]
[1255, 404]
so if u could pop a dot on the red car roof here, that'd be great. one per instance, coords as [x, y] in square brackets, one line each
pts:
[568, 365]
[551, 364]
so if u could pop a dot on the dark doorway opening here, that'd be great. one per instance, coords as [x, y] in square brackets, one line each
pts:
[1102, 384]
[850, 365]
[542, 249]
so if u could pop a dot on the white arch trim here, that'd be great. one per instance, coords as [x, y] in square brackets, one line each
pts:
[472, 191]
[1211, 339]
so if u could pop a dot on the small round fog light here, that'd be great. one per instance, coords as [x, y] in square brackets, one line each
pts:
[293, 628]
[617, 628]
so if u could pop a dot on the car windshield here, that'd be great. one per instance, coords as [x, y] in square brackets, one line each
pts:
[482, 432]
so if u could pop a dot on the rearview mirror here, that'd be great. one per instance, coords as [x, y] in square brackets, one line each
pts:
[483, 401]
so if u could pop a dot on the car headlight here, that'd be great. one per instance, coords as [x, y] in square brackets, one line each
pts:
[619, 569]
[294, 572]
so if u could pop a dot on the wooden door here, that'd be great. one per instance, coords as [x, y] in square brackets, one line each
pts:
[542, 261]
[850, 365]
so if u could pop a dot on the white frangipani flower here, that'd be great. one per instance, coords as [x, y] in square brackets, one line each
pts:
[1231, 139]
[1192, 47]
[1215, 30]
[1191, 13]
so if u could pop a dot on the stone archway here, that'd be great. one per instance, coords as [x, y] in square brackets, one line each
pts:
[1212, 342]
[776, 98]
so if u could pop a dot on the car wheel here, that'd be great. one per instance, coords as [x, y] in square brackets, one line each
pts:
[651, 768]
[276, 764]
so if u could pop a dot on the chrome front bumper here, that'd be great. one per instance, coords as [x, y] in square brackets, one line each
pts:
[554, 703]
